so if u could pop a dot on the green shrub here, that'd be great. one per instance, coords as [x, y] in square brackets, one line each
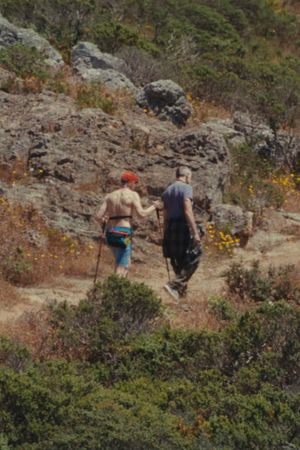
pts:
[17, 266]
[61, 406]
[23, 61]
[13, 355]
[266, 339]
[221, 308]
[170, 354]
[167, 390]
[114, 313]
[93, 96]
[276, 284]
[111, 35]
[4, 442]
[249, 186]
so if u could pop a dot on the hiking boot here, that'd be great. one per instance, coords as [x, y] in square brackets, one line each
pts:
[182, 292]
[172, 291]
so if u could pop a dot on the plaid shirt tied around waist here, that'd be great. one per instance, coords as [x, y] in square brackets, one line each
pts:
[177, 238]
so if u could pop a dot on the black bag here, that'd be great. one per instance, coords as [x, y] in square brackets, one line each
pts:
[193, 254]
[118, 238]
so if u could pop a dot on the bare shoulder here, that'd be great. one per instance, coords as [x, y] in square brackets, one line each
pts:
[112, 195]
[135, 195]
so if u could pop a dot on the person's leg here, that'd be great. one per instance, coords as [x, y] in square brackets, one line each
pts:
[185, 266]
[177, 265]
[121, 271]
[122, 260]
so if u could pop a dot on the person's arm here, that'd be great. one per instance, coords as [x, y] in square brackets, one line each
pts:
[101, 214]
[143, 212]
[189, 214]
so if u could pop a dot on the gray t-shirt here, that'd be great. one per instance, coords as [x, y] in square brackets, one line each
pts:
[173, 198]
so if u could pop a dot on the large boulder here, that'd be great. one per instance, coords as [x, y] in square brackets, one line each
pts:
[11, 35]
[167, 100]
[95, 66]
[88, 55]
[233, 219]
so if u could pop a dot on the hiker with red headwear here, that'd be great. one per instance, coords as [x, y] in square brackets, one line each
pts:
[117, 210]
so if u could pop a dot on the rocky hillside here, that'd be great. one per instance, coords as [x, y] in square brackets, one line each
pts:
[68, 131]
[89, 89]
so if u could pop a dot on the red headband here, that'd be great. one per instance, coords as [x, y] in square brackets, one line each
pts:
[129, 176]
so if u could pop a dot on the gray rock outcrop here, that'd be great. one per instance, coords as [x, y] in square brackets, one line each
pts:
[226, 129]
[207, 155]
[167, 100]
[95, 66]
[282, 148]
[11, 35]
[5, 76]
[74, 157]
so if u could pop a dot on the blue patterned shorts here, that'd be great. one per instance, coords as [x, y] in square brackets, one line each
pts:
[122, 255]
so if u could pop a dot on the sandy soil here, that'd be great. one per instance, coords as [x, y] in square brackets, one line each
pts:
[193, 311]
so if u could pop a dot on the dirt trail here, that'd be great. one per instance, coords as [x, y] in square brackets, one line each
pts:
[191, 312]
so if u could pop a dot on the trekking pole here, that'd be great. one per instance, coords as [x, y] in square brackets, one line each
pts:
[161, 233]
[99, 252]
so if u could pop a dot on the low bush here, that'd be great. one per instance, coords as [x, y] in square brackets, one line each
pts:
[251, 185]
[141, 67]
[63, 406]
[30, 250]
[95, 96]
[13, 355]
[23, 61]
[267, 341]
[254, 284]
[221, 308]
[114, 312]
[148, 387]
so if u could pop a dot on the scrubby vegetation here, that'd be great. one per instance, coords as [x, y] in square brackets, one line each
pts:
[236, 52]
[115, 376]
[30, 73]
[276, 284]
[256, 183]
[111, 373]
[30, 249]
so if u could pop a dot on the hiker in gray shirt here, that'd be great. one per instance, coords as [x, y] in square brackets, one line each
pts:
[181, 242]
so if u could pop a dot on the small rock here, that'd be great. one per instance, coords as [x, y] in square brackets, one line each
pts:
[167, 100]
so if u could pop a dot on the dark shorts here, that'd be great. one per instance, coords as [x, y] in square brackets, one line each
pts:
[177, 238]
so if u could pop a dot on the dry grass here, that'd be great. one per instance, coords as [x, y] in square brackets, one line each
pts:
[32, 330]
[15, 172]
[31, 252]
[203, 111]
[292, 6]
[195, 316]
[85, 95]
[292, 202]
[9, 295]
